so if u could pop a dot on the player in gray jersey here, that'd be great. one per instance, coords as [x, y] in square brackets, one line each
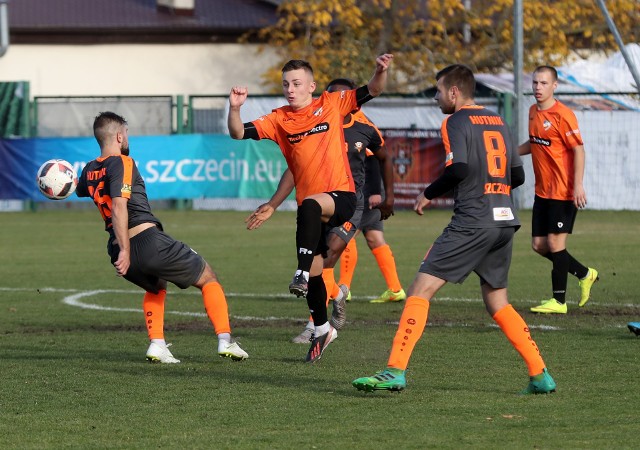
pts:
[140, 251]
[481, 166]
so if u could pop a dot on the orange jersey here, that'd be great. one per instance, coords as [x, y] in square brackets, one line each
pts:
[312, 142]
[553, 134]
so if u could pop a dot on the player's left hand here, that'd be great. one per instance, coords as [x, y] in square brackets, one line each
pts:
[386, 210]
[421, 203]
[579, 197]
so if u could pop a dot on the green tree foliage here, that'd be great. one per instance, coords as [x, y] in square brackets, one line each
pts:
[342, 38]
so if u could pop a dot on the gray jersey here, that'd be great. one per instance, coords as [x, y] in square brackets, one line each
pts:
[479, 137]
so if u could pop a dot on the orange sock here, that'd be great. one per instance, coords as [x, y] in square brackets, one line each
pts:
[348, 261]
[215, 304]
[517, 331]
[412, 323]
[387, 264]
[330, 282]
[153, 308]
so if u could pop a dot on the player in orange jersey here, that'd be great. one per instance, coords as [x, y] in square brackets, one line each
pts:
[310, 135]
[361, 138]
[558, 157]
[139, 249]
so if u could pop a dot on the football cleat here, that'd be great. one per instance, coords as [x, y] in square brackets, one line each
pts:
[299, 286]
[231, 349]
[318, 344]
[586, 284]
[634, 327]
[339, 312]
[303, 338]
[390, 296]
[157, 353]
[540, 384]
[551, 306]
[389, 379]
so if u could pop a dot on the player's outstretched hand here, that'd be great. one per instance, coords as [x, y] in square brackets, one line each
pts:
[259, 216]
[237, 96]
[421, 203]
[386, 210]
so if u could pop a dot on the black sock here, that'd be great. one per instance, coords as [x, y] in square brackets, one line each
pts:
[317, 300]
[559, 274]
[308, 231]
[574, 268]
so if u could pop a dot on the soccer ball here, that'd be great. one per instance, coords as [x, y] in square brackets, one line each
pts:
[56, 179]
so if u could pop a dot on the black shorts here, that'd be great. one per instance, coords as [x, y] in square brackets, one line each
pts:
[156, 258]
[345, 207]
[347, 230]
[552, 216]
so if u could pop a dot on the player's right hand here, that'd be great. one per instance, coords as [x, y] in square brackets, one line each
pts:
[421, 203]
[237, 96]
[259, 216]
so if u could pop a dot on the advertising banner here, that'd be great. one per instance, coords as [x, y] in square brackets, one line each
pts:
[173, 167]
[418, 159]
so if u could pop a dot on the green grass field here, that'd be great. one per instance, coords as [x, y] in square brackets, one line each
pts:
[72, 346]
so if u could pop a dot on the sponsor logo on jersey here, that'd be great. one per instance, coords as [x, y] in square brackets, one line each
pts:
[320, 128]
[359, 146]
[449, 157]
[560, 224]
[126, 189]
[546, 125]
[539, 141]
[569, 133]
[503, 213]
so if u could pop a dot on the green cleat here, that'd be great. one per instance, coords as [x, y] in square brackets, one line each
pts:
[540, 384]
[389, 379]
[586, 284]
[634, 327]
[551, 306]
[390, 296]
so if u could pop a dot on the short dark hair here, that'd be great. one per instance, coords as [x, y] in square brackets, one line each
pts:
[552, 70]
[103, 126]
[460, 76]
[342, 82]
[296, 64]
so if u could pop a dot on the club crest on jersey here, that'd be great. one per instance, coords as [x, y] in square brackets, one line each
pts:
[546, 125]
[317, 112]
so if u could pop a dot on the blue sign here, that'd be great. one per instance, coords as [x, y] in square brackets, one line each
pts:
[173, 167]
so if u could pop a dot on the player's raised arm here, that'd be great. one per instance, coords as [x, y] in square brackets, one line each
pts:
[379, 80]
[237, 98]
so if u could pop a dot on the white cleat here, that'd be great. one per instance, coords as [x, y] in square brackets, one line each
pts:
[231, 349]
[157, 353]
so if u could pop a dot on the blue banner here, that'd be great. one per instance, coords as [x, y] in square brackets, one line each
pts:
[173, 167]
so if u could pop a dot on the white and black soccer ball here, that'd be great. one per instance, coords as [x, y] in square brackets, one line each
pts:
[56, 179]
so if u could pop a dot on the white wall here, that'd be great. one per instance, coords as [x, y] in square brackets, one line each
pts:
[150, 69]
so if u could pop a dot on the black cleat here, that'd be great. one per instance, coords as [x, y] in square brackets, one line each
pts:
[299, 286]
